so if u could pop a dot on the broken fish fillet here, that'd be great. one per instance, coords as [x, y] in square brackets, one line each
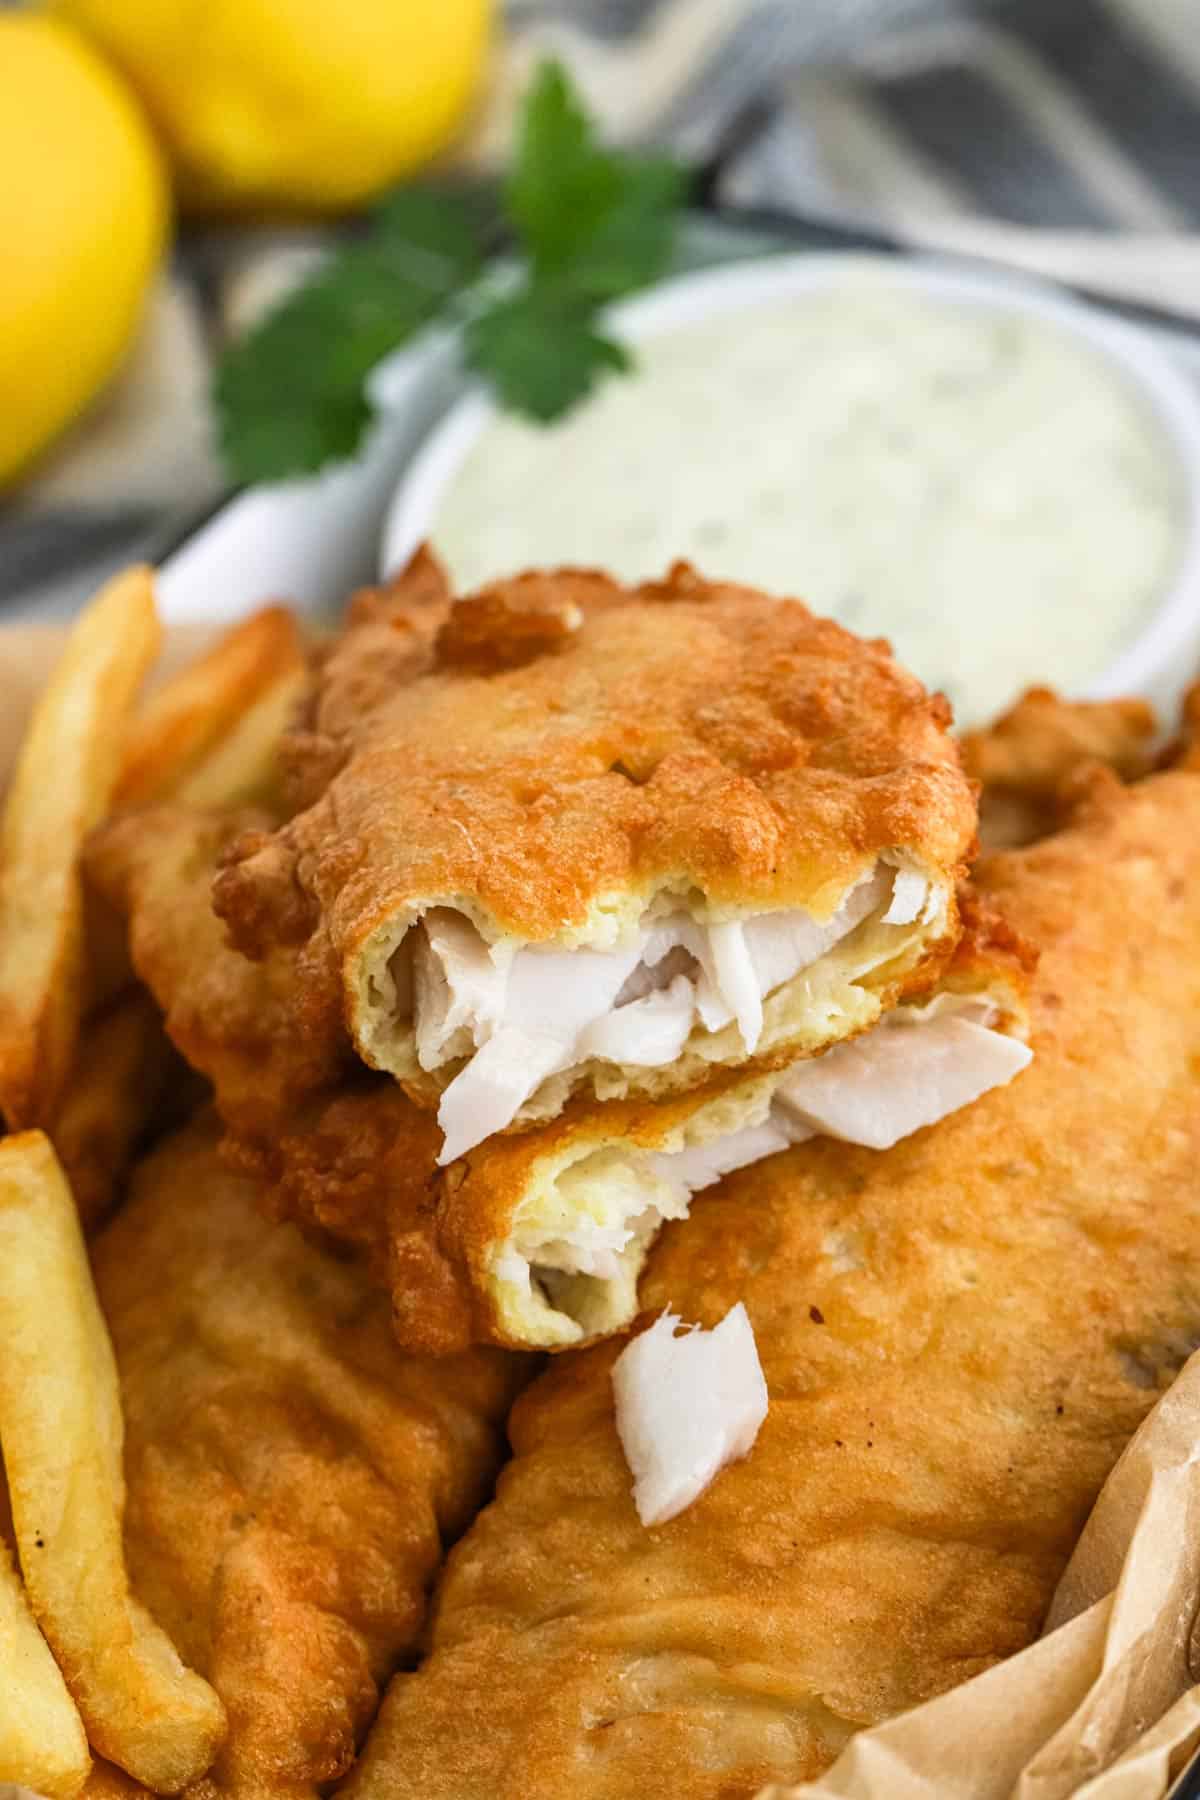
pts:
[536, 1013]
[539, 1240]
[534, 1239]
[567, 836]
[958, 1335]
[920, 1065]
[686, 1403]
[291, 1474]
[540, 1013]
[593, 1199]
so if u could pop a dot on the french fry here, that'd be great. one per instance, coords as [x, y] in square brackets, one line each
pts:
[60, 789]
[245, 767]
[28, 654]
[42, 1741]
[120, 1072]
[192, 715]
[192, 746]
[62, 1435]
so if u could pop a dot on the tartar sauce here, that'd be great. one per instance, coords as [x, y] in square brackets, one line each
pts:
[977, 485]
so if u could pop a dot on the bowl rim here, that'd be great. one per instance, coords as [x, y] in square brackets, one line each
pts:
[1171, 632]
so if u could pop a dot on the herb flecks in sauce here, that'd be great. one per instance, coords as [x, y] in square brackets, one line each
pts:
[980, 487]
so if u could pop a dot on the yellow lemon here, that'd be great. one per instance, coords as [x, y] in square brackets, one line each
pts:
[83, 217]
[294, 105]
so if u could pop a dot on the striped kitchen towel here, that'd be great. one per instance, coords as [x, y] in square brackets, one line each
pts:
[1062, 136]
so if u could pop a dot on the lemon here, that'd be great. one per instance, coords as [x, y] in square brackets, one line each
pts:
[294, 105]
[83, 217]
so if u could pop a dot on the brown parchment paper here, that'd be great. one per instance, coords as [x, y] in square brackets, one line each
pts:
[1106, 1704]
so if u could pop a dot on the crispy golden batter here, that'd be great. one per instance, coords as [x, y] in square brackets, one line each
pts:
[344, 1150]
[549, 755]
[116, 1094]
[264, 1042]
[958, 1337]
[1026, 759]
[1183, 751]
[992, 958]
[292, 1477]
[109, 1783]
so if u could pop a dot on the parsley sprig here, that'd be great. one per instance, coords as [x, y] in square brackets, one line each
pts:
[588, 224]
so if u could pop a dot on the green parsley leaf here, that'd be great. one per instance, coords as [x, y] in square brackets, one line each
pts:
[591, 224]
[596, 220]
[632, 245]
[594, 224]
[291, 396]
[540, 360]
[560, 184]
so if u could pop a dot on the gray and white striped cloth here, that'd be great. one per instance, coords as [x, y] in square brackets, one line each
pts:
[1061, 136]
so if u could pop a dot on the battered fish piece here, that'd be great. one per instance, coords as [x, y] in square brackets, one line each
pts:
[292, 1477]
[539, 1240]
[958, 1338]
[534, 1240]
[266, 1041]
[1026, 761]
[106, 1782]
[581, 837]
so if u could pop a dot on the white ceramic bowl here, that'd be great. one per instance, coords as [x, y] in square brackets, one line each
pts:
[1158, 664]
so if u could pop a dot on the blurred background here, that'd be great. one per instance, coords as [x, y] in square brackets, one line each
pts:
[169, 168]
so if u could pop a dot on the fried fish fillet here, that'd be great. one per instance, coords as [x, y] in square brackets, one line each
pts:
[539, 1240]
[292, 1477]
[958, 1336]
[564, 835]
[535, 1239]
[1026, 760]
[266, 1041]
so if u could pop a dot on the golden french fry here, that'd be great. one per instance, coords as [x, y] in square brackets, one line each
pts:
[192, 714]
[28, 654]
[120, 1071]
[244, 768]
[42, 1741]
[60, 789]
[62, 1435]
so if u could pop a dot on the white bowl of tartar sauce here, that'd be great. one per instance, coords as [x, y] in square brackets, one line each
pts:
[1002, 480]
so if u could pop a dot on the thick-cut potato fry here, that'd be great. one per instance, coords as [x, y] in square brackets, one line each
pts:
[62, 1435]
[244, 769]
[120, 1071]
[193, 745]
[192, 715]
[28, 654]
[42, 1742]
[60, 789]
